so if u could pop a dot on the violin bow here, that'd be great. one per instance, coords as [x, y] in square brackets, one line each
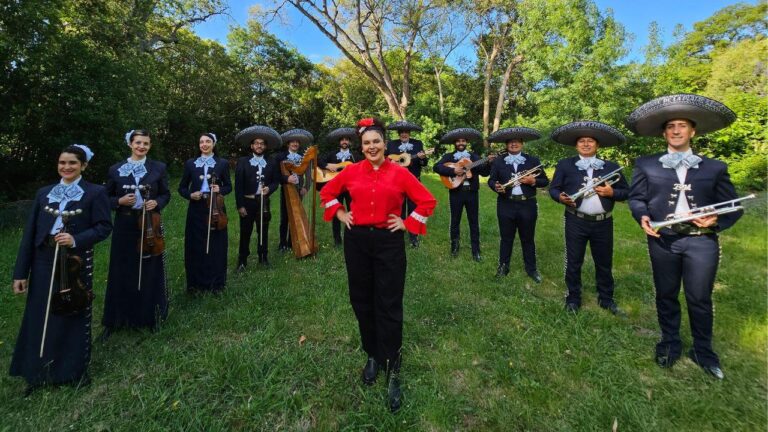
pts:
[210, 216]
[141, 234]
[261, 210]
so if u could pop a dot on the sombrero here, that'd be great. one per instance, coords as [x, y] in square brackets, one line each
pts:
[469, 134]
[337, 134]
[302, 136]
[606, 136]
[707, 115]
[514, 133]
[404, 125]
[269, 135]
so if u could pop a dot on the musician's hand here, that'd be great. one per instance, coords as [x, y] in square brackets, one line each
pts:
[293, 179]
[345, 217]
[127, 200]
[64, 239]
[529, 180]
[604, 191]
[150, 204]
[645, 223]
[706, 221]
[499, 187]
[215, 188]
[395, 223]
[196, 195]
[302, 192]
[458, 170]
[265, 190]
[421, 155]
[565, 199]
[19, 286]
[242, 211]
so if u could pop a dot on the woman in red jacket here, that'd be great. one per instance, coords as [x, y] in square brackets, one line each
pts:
[374, 249]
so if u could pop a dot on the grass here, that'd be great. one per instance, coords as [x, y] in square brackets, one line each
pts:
[479, 353]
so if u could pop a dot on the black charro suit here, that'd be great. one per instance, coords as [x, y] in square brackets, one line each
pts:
[684, 252]
[581, 229]
[464, 196]
[517, 214]
[247, 184]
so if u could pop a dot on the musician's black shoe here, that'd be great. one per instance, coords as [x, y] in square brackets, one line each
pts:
[394, 393]
[283, 248]
[711, 369]
[415, 242]
[263, 260]
[665, 361]
[105, 334]
[613, 308]
[337, 242]
[370, 371]
[454, 248]
[241, 267]
[30, 389]
[571, 307]
[535, 275]
[502, 271]
[476, 256]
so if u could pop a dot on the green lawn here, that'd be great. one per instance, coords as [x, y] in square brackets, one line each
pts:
[479, 353]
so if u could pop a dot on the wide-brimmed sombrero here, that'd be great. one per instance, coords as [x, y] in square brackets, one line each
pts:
[707, 115]
[514, 133]
[337, 134]
[469, 134]
[302, 136]
[404, 125]
[606, 136]
[269, 135]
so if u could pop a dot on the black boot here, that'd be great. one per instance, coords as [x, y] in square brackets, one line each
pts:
[263, 260]
[241, 264]
[503, 270]
[370, 371]
[454, 248]
[476, 255]
[394, 393]
[414, 241]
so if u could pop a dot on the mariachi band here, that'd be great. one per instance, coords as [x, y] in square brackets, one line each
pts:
[372, 193]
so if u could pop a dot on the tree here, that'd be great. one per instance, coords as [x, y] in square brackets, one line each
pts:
[364, 30]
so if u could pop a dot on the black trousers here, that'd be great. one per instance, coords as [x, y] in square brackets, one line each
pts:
[376, 268]
[459, 199]
[518, 217]
[247, 223]
[408, 207]
[336, 223]
[692, 260]
[599, 235]
[285, 235]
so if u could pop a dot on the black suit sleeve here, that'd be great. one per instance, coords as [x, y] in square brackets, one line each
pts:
[484, 169]
[556, 187]
[163, 191]
[239, 182]
[620, 188]
[100, 224]
[111, 187]
[225, 181]
[274, 182]
[27, 245]
[541, 180]
[493, 178]
[442, 169]
[186, 179]
[725, 191]
[638, 193]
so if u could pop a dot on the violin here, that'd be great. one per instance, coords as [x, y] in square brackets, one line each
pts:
[151, 242]
[72, 297]
[217, 214]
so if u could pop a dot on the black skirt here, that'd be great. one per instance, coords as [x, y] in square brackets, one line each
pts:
[205, 271]
[67, 349]
[125, 303]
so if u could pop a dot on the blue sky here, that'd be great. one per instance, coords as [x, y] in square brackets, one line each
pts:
[635, 15]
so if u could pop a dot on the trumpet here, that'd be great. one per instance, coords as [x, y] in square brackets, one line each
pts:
[710, 210]
[589, 189]
[516, 178]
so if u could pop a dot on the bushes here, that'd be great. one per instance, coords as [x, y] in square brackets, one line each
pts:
[749, 172]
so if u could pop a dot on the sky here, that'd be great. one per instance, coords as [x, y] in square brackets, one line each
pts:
[635, 15]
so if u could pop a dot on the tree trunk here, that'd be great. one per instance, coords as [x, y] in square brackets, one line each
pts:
[441, 98]
[502, 93]
[490, 59]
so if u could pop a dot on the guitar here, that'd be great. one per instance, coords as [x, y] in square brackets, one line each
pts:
[404, 159]
[323, 175]
[452, 182]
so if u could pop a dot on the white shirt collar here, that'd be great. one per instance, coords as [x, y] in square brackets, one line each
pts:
[140, 161]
